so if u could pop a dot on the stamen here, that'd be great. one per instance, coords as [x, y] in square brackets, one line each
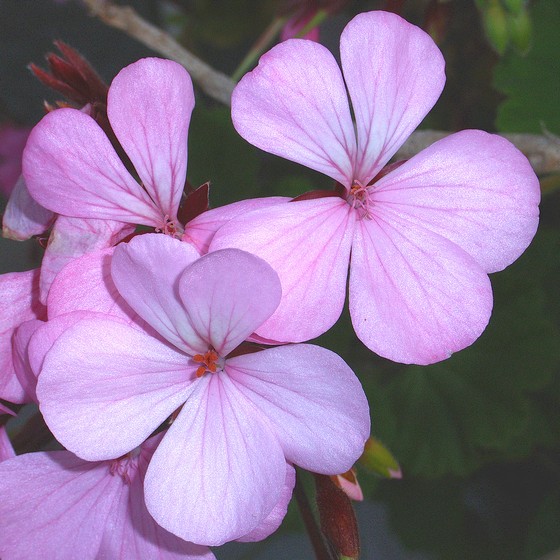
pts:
[358, 199]
[209, 362]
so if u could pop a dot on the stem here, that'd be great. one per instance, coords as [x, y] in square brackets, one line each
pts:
[261, 44]
[313, 530]
[315, 21]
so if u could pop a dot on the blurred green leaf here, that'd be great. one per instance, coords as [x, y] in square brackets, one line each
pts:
[543, 535]
[219, 155]
[532, 82]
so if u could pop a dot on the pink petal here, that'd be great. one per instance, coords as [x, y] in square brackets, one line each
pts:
[201, 230]
[54, 505]
[227, 295]
[22, 366]
[71, 168]
[85, 284]
[473, 188]
[276, 516]
[219, 464]
[149, 106]
[6, 410]
[73, 237]
[46, 334]
[394, 73]
[19, 293]
[23, 217]
[146, 272]
[294, 105]
[6, 449]
[308, 244]
[415, 297]
[312, 399]
[105, 386]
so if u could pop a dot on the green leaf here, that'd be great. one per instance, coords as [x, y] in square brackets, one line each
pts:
[532, 82]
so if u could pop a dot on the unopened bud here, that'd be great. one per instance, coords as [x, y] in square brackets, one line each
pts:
[348, 483]
[378, 459]
[337, 517]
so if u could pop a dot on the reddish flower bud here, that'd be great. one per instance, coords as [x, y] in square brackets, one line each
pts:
[337, 517]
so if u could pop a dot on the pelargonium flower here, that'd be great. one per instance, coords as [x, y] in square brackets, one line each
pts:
[237, 418]
[71, 168]
[56, 505]
[422, 236]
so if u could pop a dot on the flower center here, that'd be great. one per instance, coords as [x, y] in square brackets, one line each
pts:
[169, 227]
[126, 466]
[358, 198]
[209, 362]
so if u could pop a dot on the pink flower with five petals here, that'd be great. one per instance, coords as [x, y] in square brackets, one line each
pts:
[238, 419]
[420, 238]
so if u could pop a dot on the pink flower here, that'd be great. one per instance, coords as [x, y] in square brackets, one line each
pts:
[422, 236]
[71, 167]
[55, 505]
[237, 418]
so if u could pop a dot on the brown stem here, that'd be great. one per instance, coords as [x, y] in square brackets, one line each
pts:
[212, 82]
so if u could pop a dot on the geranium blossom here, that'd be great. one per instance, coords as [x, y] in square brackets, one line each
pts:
[237, 419]
[71, 168]
[55, 505]
[422, 237]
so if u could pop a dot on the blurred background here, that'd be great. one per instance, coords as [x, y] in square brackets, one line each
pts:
[477, 436]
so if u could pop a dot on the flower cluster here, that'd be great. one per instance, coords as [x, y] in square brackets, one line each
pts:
[171, 360]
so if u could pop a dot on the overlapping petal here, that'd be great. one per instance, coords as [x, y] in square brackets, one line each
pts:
[6, 449]
[100, 378]
[149, 106]
[146, 272]
[395, 73]
[22, 366]
[54, 505]
[313, 400]
[294, 105]
[201, 230]
[308, 244]
[223, 460]
[71, 238]
[19, 293]
[23, 216]
[71, 168]
[473, 188]
[415, 297]
[227, 295]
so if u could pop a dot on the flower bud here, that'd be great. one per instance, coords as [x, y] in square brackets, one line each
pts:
[378, 459]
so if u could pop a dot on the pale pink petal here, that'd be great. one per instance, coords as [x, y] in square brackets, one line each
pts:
[219, 464]
[201, 230]
[71, 168]
[146, 272]
[227, 295]
[54, 505]
[85, 284]
[43, 338]
[294, 105]
[133, 532]
[473, 188]
[276, 516]
[24, 217]
[19, 293]
[308, 244]
[105, 386]
[22, 366]
[312, 399]
[71, 238]
[149, 106]
[6, 449]
[395, 73]
[415, 297]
